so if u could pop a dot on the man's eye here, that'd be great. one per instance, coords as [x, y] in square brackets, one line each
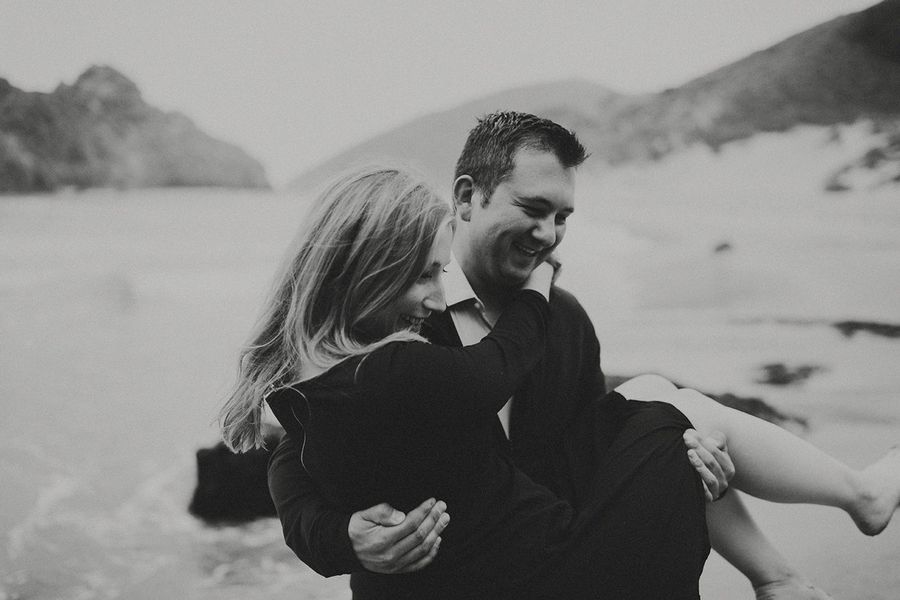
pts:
[561, 219]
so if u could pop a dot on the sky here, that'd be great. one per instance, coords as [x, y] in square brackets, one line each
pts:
[295, 82]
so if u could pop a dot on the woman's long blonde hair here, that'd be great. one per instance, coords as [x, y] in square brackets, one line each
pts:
[365, 240]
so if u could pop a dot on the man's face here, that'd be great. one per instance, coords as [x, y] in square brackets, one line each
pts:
[524, 219]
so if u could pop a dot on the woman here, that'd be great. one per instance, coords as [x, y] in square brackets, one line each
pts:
[385, 416]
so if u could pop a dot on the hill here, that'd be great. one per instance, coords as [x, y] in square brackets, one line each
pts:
[836, 73]
[99, 132]
[840, 72]
[432, 142]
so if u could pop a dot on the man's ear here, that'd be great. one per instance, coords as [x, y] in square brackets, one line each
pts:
[463, 193]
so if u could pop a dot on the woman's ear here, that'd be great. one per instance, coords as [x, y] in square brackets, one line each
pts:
[463, 192]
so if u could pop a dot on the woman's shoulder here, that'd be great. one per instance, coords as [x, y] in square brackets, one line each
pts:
[399, 364]
[393, 353]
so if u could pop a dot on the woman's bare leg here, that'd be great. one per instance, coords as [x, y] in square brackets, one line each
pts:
[732, 531]
[734, 534]
[773, 464]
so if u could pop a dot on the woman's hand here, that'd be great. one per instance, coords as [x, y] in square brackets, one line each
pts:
[541, 279]
[553, 260]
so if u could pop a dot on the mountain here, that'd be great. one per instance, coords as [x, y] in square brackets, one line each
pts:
[99, 132]
[840, 72]
[432, 142]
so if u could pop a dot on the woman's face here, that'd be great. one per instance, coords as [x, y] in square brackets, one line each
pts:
[426, 294]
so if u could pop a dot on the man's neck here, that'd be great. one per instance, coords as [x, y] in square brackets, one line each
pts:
[494, 297]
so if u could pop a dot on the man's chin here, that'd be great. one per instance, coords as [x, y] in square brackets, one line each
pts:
[516, 275]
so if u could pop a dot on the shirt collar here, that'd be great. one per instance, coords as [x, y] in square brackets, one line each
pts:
[456, 287]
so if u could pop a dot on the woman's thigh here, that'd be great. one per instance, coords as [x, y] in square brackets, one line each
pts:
[704, 413]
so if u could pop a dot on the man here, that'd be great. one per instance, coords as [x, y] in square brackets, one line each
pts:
[513, 193]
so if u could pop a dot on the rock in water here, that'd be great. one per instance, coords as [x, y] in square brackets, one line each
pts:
[99, 132]
[233, 488]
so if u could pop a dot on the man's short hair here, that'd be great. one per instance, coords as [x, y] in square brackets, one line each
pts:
[487, 156]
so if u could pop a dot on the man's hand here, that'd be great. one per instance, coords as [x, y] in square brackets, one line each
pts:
[790, 589]
[709, 455]
[387, 541]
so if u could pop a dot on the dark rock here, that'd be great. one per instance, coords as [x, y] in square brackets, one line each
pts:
[780, 374]
[759, 408]
[884, 158]
[233, 488]
[722, 247]
[849, 328]
[748, 404]
[835, 183]
[99, 132]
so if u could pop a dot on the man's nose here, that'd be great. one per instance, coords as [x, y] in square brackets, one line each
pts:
[545, 232]
[435, 300]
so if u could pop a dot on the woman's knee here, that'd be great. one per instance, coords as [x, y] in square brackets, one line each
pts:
[692, 397]
[649, 386]
[705, 414]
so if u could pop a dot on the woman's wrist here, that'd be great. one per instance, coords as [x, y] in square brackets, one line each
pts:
[540, 280]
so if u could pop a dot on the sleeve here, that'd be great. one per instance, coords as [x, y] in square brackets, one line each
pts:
[592, 383]
[473, 381]
[316, 533]
[591, 380]
[591, 424]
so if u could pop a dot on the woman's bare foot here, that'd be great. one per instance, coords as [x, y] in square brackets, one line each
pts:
[880, 494]
[790, 589]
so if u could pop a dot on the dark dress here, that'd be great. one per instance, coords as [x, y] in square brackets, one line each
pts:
[414, 420]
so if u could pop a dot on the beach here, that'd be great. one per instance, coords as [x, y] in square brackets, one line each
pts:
[122, 312]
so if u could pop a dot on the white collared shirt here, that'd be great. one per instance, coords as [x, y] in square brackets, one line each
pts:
[469, 318]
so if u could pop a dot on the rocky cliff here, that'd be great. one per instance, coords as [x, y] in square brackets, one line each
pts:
[843, 71]
[835, 73]
[99, 132]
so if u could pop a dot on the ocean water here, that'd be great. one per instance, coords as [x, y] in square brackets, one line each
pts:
[121, 314]
[120, 319]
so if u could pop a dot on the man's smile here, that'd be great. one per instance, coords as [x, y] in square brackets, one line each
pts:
[526, 250]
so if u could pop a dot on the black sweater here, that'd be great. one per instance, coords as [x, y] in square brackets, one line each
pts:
[549, 440]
